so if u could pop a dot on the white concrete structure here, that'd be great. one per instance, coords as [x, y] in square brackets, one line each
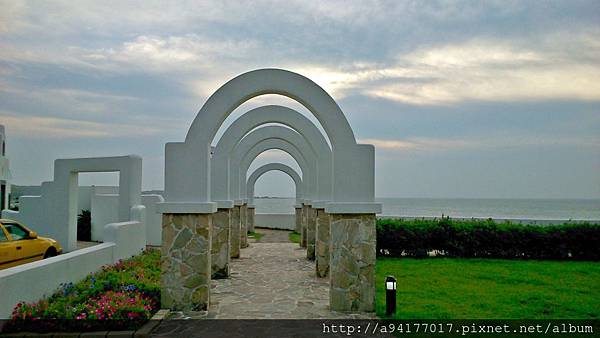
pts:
[5, 175]
[222, 169]
[343, 227]
[104, 211]
[256, 174]
[55, 213]
[188, 163]
[275, 221]
[267, 138]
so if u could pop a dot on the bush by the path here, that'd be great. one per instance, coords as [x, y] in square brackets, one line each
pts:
[120, 296]
[487, 239]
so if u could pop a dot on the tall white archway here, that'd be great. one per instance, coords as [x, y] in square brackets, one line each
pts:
[256, 174]
[221, 179]
[187, 164]
[266, 138]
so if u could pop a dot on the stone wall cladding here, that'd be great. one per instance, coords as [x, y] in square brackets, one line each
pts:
[251, 220]
[234, 239]
[352, 266]
[244, 226]
[311, 229]
[322, 243]
[298, 228]
[186, 261]
[220, 250]
[304, 223]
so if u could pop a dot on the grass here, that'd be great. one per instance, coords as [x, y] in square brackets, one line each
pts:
[452, 288]
[294, 237]
[256, 235]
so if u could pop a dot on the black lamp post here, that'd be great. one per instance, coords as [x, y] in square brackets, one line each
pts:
[390, 295]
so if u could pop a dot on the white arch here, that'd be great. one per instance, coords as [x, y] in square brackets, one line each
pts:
[187, 164]
[220, 162]
[271, 144]
[273, 167]
[255, 143]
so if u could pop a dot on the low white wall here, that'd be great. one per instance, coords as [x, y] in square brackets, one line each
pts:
[103, 211]
[275, 221]
[130, 237]
[153, 219]
[32, 281]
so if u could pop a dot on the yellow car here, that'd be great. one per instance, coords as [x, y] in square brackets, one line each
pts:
[19, 245]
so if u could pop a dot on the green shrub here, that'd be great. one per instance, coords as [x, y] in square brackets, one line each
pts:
[487, 239]
[84, 226]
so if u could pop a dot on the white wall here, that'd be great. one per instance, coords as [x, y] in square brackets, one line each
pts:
[153, 219]
[275, 221]
[103, 211]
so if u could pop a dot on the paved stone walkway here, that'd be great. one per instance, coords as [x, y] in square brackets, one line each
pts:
[273, 236]
[271, 280]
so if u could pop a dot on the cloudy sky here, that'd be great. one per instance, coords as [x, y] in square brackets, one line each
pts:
[461, 99]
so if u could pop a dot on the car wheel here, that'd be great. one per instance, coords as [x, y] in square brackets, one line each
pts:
[51, 252]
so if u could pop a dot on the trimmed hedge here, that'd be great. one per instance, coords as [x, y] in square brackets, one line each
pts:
[487, 239]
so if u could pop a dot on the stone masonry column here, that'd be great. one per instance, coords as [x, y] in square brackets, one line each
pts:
[250, 218]
[298, 227]
[220, 250]
[234, 239]
[322, 243]
[311, 229]
[186, 261]
[244, 226]
[304, 223]
[352, 264]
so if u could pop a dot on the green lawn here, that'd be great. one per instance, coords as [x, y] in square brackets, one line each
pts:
[256, 235]
[294, 237]
[450, 288]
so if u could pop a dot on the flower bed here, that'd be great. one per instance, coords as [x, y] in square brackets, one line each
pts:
[118, 297]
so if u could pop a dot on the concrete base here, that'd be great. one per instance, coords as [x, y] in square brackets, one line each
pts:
[311, 229]
[220, 250]
[322, 243]
[352, 265]
[186, 261]
[234, 239]
[244, 226]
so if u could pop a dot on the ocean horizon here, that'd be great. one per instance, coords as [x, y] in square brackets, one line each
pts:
[496, 208]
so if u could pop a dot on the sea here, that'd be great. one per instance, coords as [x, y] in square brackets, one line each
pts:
[495, 208]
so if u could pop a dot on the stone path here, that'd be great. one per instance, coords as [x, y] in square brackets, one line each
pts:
[271, 280]
[273, 236]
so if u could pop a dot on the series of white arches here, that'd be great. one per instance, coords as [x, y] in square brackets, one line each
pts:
[208, 190]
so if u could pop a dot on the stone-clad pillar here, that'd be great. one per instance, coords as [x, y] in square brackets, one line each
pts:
[250, 219]
[304, 223]
[220, 250]
[186, 261]
[298, 228]
[311, 229]
[352, 264]
[322, 243]
[244, 226]
[234, 239]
